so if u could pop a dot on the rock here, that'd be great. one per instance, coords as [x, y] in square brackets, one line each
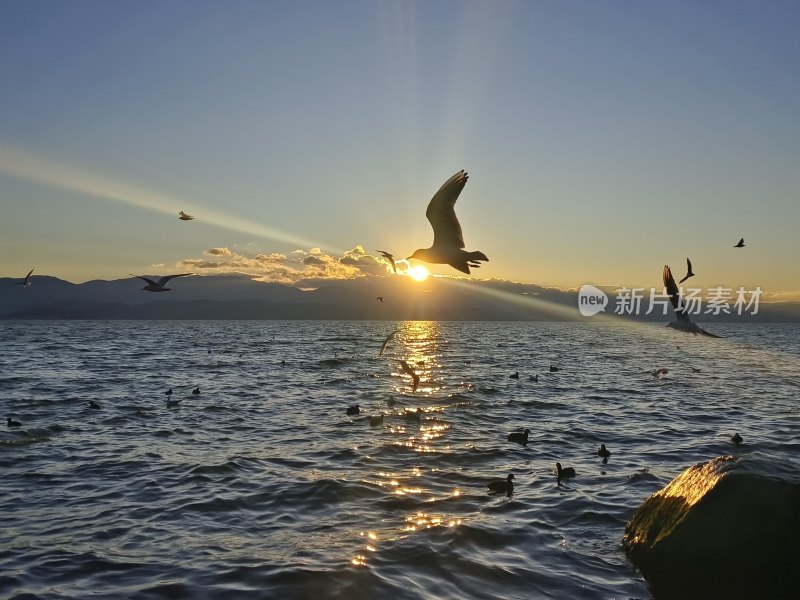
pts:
[728, 528]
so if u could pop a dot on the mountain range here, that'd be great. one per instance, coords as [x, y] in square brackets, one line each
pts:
[238, 296]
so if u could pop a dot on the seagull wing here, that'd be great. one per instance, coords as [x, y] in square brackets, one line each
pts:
[442, 214]
[688, 270]
[150, 281]
[674, 295]
[28, 276]
[390, 257]
[386, 341]
[163, 281]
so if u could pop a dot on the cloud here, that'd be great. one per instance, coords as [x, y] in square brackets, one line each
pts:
[218, 252]
[296, 267]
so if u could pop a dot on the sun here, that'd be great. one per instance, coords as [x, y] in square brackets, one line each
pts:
[418, 273]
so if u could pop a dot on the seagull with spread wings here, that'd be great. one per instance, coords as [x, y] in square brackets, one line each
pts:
[27, 281]
[448, 240]
[740, 244]
[159, 286]
[410, 371]
[683, 322]
[390, 257]
[688, 270]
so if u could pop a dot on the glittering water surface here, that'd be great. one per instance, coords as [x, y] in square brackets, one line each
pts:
[261, 486]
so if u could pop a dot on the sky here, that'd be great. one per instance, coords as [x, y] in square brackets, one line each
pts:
[602, 139]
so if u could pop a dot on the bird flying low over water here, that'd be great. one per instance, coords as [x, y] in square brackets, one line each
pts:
[688, 270]
[683, 322]
[184, 217]
[408, 370]
[27, 281]
[386, 341]
[448, 240]
[390, 258]
[740, 244]
[158, 286]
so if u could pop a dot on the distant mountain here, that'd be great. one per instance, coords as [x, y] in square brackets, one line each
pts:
[240, 297]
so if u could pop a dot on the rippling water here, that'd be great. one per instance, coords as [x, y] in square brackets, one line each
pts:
[263, 487]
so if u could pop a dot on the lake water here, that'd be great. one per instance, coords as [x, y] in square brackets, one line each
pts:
[262, 486]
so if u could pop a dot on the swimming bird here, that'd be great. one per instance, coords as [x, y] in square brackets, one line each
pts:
[12, 423]
[448, 240]
[386, 341]
[184, 217]
[553, 369]
[379, 298]
[603, 451]
[412, 415]
[171, 403]
[688, 270]
[196, 391]
[563, 473]
[534, 378]
[94, 405]
[659, 373]
[353, 410]
[27, 281]
[514, 375]
[158, 286]
[519, 438]
[695, 370]
[683, 322]
[736, 439]
[168, 393]
[740, 244]
[409, 371]
[503, 485]
[390, 258]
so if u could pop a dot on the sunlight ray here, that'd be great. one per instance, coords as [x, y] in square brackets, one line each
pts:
[47, 172]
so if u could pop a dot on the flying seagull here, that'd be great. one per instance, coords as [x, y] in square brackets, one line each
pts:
[27, 281]
[390, 258]
[158, 286]
[379, 298]
[448, 240]
[683, 322]
[688, 270]
[184, 217]
[740, 244]
[408, 370]
[386, 341]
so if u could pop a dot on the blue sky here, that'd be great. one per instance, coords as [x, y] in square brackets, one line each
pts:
[603, 139]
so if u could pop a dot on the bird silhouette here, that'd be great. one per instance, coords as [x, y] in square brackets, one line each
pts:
[505, 486]
[563, 473]
[27, 281]
[740, 244]
[410, 371]
[390, 258]
[184, 217]
[159, 286]
[682, 322]
[688, 271]
[448, 239]
[519, 438]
